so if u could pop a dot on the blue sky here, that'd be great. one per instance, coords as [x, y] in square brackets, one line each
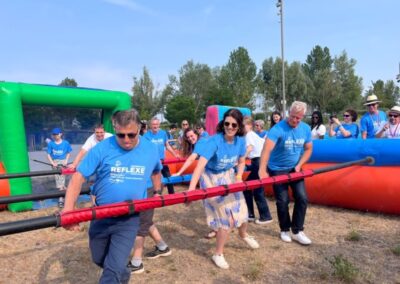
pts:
[104, 43]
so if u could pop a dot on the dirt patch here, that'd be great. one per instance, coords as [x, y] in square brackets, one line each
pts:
[348, 246]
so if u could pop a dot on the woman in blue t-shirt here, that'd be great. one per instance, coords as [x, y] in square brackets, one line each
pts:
[222, 152]
[347, 129]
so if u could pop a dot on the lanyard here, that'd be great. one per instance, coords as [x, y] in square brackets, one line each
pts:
[395, 130]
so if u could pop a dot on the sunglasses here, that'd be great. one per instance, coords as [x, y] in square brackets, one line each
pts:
[371, 105]
[346, 115]
[123, 135]
[185, 124]
[393, 115]
[315, 117]
[227, 124]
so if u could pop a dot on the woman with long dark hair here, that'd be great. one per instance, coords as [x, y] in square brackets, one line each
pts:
[318, 128]
[222, 152]
[276, 117]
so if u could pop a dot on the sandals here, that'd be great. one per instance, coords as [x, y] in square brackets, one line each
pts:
[211, 235]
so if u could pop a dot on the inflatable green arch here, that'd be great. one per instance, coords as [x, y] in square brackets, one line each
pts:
[13, 149]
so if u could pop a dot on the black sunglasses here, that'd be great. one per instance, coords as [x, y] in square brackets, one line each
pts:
[346, 115]
[234, 125]
[123, 135]
[393, 115]
[315, 117]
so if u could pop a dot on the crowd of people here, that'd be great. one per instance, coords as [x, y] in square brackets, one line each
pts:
[128, 166]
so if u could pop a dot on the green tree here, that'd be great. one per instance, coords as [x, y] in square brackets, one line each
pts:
[323, 90]
[146, 100]
[68, 82]
[239, 77]
[350, 84]
[196, 81]
[180, 107]
[387, 92]
[219, 93]
[271, 82]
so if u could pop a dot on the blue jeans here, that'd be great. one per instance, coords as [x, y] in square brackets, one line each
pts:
[281, 192]
[257, 194]
[111, 241]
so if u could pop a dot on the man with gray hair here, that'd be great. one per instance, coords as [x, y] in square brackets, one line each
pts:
[259, 128]
[124, 164]
[287, 148]
[159, 138]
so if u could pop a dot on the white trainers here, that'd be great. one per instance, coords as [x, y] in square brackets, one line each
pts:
[251, 242]
[301, 238]
[220, 261]
[285, 236]
[263, 222]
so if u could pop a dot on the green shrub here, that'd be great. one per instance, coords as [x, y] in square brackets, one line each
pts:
[344, 269]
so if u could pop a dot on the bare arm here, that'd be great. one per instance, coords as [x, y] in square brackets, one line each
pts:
[240, 167]
[305, 157]
[264, 158]
[73, 191]
[171, 150]
[156, 179]
[187, 164]
[364, 135]
[78, 158]
[249, 148]
[51, 160]
[197, 172]
[380, 133]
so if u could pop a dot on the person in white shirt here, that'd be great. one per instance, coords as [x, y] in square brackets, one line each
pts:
[391, 129]
[98, 136]
[318, 129]
[254, 146]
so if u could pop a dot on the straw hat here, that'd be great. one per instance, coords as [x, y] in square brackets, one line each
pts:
[395, 109]
[372, 99]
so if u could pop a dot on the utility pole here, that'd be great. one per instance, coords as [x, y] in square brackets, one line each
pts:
[279, 4]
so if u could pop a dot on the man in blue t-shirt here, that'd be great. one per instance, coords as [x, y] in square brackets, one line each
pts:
[159, 137]
[373, 120]
[287, 148]
[123, 164]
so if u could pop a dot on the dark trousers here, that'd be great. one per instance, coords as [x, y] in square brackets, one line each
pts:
[111, 241]
[257, 194]
[281, 192]
[165, 173]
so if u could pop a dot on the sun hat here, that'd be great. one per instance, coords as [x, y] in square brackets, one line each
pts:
[56, 131]
[395, 109]
[372, 99]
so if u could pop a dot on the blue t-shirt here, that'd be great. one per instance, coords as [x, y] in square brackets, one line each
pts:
[221, 155]
[159, 139]
[121, 175]
[372, 123]
[262, 134]
[289, 145]
[204, 134]
[58, 151]
[353, 128]
[200, 146]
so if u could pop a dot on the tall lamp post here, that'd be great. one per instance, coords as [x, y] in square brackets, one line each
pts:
[279, 4]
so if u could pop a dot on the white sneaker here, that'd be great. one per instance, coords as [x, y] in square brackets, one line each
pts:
[251, 242]
[301, 238]
[285, 236]
[220, 261]
[263, 222]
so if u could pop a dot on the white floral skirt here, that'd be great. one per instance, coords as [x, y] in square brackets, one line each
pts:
[220, 209]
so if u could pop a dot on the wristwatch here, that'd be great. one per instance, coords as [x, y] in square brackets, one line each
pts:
[157, 191]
